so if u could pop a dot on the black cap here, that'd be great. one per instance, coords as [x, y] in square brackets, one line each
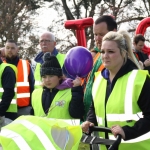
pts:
[50, 66]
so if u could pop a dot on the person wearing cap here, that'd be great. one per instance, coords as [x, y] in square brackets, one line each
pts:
[25, 78]
[58, 98]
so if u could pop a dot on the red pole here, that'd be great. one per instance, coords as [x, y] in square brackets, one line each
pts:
[79, 25]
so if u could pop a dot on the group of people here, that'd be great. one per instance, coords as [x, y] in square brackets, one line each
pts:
[115, 93]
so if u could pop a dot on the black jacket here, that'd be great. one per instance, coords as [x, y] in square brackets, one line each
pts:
[143, 124]
[76, 106]
[142, 57]
[8, 79]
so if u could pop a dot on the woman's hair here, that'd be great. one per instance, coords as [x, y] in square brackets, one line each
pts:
[123, 41]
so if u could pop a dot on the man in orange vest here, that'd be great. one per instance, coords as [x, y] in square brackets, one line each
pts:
[25, 78]
[102, 25]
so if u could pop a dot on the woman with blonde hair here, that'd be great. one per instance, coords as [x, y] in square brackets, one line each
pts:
[121, 97]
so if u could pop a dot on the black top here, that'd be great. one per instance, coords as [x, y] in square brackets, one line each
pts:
[142, 126]
[8, 83]
[142, 57]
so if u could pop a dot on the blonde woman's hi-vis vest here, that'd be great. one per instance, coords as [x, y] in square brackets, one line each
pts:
[39, 133]
[121, 108]
[23, 88]
[59, 107]
[37, 76]
[13, 105]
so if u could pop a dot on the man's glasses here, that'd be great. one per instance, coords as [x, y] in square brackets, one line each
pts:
[45, 41]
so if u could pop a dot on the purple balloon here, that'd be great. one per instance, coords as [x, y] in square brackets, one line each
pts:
[78, 61]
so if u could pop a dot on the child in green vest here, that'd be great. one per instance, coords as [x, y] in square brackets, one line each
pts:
[58, 97]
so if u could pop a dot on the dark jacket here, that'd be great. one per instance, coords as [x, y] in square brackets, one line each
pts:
[142, 57]
[8, 79]
[143, 124]
[15, 61]
[76, 106]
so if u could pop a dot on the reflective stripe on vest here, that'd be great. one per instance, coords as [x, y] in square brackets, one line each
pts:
[20, 142]
[13, 101]
[73, 122]
[22, 84]
[23, 88]
[2, 90]
[13, 106]
[99, 120]
[138, 139]
[38, 83]
[23, 95]
[38, 132]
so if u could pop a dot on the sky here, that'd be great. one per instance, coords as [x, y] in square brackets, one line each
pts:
[46, 15]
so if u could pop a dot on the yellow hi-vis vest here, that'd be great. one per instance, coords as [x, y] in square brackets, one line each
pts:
[13, 105]
[59, 107]
[121, 108]
[37, 76]
[39, 133]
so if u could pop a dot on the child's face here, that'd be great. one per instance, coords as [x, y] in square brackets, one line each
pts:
[50, 81]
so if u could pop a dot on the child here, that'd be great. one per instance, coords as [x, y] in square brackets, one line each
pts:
[58, 98]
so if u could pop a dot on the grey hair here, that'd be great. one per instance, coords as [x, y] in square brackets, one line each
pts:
[123, 41]
[50, 35]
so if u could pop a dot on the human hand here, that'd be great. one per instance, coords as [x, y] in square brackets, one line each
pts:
[85, 126]
[141, 65]
[147, 62]
[76, 82]
[116, 129]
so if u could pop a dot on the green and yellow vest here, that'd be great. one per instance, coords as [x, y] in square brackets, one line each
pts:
[13, 104]
[39, 133]
[121, 108]
[59, 107]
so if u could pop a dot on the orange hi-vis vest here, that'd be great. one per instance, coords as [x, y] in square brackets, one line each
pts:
[23, 88]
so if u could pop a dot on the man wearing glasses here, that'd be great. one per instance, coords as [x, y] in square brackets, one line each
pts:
[47, 43]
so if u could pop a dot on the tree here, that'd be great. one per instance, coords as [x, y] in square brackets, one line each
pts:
[128, 13]
[16, 23]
